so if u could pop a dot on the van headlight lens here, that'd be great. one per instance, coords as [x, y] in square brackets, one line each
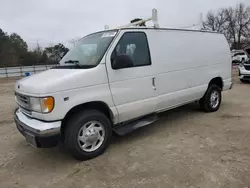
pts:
[35, 104]
[43, 105]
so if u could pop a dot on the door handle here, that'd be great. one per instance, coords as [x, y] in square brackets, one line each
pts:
[153, 83]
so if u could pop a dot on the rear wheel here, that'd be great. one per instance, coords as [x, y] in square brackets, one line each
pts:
[211, 101]
[87, 134]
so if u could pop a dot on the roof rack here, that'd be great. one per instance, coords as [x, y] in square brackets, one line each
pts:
[154, 19]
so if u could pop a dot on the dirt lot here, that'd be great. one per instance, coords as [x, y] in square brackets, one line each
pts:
[185, 148]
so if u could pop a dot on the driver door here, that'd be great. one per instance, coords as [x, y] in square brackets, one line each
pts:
[132, 87]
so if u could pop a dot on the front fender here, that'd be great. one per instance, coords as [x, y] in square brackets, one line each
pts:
[66, 100]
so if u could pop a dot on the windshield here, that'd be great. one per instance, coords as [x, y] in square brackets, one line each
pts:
[89, 50]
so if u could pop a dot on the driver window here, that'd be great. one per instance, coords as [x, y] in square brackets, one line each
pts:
[135, 45]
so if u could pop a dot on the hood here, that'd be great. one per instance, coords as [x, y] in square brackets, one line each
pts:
[56, 80]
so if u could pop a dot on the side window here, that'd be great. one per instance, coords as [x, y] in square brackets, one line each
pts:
[134, 46]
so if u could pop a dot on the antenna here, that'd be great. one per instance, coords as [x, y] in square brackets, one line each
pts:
[154, 18]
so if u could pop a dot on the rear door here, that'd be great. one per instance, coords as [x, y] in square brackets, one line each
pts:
[132, 87]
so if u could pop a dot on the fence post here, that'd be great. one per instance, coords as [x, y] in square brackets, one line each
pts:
[21, 71]
[6, 72]
[34, 68]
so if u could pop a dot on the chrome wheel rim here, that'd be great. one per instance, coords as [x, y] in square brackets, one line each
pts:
[91, 136]
[214, 99]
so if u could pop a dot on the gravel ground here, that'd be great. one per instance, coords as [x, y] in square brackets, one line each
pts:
[185, 148]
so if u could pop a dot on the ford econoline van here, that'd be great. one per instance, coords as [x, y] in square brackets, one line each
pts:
[119, 80]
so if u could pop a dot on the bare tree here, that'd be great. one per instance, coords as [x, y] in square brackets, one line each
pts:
[216, 21]
[238, 24]
[234, 23]
[231, 25]
[243, 21]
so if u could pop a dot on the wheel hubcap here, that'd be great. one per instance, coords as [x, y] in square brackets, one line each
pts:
[91, 136]
[214, 99]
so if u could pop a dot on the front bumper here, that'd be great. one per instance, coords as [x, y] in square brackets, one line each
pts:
[244, 74]
[244, 77]
[38, 133]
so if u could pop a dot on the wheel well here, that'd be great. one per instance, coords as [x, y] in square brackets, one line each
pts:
[97, 105]
[217, 81]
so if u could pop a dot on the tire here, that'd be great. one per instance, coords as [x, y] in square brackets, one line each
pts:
[77, 129]
[206, 100]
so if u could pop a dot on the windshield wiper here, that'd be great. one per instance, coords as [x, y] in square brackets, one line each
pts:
[76, 64]
[72, 62]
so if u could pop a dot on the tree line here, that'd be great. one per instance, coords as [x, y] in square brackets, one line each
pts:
[233, 22]
[14, 52]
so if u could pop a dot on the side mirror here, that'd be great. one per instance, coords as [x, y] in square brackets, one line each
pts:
[122, 61]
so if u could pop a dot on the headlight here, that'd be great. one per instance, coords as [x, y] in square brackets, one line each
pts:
[43, 105]
[35, 104]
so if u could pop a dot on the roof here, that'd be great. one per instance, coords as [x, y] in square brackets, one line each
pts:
[152, 28]
[170, 29]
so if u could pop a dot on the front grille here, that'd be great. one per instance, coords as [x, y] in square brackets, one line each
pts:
[23, 101]
[27, 112]
[247, 67]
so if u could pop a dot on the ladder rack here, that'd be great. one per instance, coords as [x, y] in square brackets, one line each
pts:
[154, 19]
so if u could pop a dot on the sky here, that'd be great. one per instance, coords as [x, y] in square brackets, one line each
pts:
[52, 21]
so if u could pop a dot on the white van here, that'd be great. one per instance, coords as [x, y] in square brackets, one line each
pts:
[119, 80]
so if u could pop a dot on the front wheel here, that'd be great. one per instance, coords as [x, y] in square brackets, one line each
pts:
[87, 134]
[211, 101]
